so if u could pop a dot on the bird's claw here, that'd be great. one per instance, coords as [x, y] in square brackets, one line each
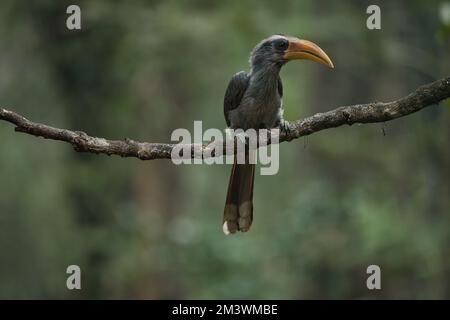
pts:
[285, 127]
[240, 137]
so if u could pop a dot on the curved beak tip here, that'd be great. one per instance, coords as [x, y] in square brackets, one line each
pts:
[304, 49]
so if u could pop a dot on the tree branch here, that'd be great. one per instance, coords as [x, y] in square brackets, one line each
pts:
[422, 97]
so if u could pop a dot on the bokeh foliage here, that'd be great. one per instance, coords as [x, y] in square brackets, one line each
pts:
[344, 198]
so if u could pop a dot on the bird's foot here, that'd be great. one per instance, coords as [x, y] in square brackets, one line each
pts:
[236, 141]
[236, 136]
[285, 127]
[241, 138]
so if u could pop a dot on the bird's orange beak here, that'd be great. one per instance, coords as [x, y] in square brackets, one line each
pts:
[304, 49]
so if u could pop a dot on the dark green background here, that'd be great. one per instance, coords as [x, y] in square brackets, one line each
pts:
[344, 198]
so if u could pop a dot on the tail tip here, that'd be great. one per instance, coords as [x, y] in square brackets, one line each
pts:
[225, 228]
[229, 227]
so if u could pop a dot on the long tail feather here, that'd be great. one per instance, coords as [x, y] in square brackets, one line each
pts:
[238, 213]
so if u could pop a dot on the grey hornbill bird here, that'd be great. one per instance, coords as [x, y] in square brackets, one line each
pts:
[253, 101]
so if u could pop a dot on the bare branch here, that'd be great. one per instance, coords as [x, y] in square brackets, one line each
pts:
[422, 97]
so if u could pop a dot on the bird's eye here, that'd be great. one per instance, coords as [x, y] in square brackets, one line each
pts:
[281, 44]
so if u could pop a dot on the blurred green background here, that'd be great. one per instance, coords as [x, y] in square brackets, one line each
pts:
[344, 198]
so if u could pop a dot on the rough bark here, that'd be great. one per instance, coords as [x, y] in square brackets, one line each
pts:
[424, 96]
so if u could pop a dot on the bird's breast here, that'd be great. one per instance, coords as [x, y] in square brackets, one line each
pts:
[259, 112]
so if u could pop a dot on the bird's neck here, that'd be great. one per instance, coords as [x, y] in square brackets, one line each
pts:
[267, 74]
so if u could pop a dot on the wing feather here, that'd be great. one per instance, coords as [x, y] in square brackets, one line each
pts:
[234, 93]
[280, 87]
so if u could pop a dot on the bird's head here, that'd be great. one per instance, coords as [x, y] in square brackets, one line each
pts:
[279, 49]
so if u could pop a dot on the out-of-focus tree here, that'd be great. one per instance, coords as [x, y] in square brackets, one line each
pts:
[349, 197]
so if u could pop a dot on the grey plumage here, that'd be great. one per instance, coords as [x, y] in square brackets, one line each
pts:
[252, 101]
